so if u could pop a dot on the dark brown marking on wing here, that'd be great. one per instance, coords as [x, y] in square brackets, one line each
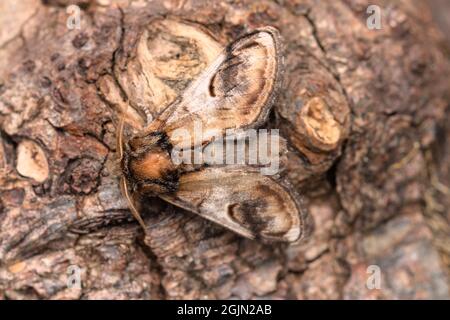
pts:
[249, 45]
[246, 213]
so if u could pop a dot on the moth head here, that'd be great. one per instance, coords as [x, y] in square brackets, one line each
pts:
[147, 164]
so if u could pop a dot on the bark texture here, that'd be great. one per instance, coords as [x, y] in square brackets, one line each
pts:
[365, 114]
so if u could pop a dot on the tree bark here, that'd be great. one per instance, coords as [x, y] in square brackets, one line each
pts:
[374, 174]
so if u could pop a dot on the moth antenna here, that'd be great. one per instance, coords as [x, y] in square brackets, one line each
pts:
[123, 182]
[134, 211]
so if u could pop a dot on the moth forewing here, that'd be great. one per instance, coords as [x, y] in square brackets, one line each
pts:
[242, 200]
[236, 90]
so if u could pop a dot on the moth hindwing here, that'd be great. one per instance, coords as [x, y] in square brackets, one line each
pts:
[233, 93]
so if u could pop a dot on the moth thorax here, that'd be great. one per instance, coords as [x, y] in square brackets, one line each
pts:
[149, 165]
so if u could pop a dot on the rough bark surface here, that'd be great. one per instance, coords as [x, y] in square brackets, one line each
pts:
[365, 113]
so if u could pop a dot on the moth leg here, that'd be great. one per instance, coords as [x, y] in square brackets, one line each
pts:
[134, 211]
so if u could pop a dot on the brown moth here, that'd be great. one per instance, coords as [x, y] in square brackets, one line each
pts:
[234, 92]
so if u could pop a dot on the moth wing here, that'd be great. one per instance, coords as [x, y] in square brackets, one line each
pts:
[244, 201]
[235, 91]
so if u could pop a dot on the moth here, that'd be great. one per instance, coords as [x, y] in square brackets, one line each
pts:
[236, 91]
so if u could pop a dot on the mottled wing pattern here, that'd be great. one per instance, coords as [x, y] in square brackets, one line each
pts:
[242, 200]
[235, 91]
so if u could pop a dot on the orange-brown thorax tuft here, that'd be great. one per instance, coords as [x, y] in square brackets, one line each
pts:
[152, 166]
